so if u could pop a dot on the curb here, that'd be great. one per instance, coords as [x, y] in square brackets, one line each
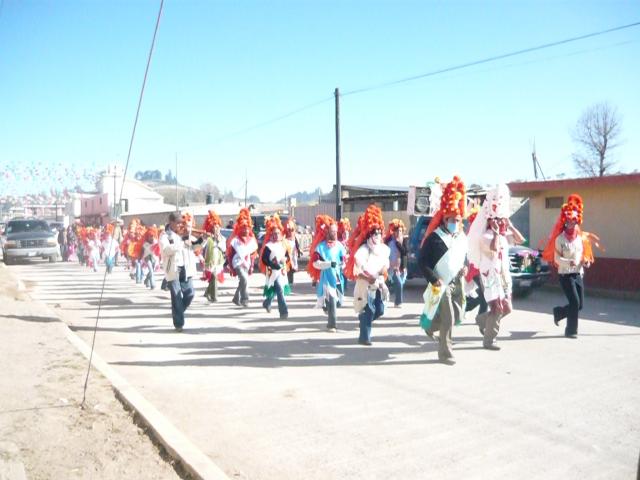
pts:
[177, 445]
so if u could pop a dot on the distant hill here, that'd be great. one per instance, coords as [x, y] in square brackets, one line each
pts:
[304, 197]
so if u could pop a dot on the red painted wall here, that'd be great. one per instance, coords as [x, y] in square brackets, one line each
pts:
[612, 274]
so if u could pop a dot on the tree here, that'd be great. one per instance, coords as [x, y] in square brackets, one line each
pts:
[208, 187]
[169, 178]
[597, 133]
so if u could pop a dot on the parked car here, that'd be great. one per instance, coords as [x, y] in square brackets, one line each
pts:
[56, 226]
[528, 269]
[29, 238]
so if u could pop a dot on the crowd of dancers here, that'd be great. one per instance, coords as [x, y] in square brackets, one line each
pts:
[464, 256]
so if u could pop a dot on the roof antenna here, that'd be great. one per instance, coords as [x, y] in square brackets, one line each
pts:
[536, 163]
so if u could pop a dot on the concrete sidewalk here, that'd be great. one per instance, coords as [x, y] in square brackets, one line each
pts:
[44, 433]
[271, 399]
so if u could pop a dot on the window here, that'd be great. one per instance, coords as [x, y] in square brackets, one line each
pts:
[100, 200]
[553, 202]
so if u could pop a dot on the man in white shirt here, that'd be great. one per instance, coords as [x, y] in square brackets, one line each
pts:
[179, 263]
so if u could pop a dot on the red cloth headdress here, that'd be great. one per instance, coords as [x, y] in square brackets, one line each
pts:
[151, 234]
[369, 221]
[323, 222]
[344, 228]
[572, 210]
[211, 221]
[394, 225]
[243, 219]
[452, 202]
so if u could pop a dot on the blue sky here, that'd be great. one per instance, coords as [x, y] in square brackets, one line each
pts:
[71, 71]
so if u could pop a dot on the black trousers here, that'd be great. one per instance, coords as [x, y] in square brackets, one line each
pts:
[573, 288]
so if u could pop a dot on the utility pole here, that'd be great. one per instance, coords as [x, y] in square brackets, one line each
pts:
[177, 203]
[338, 184]
[115, 211]
[535, 161]
[246, 181]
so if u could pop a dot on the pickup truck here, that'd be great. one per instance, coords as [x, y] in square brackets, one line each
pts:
[528, 269]
[29, 238]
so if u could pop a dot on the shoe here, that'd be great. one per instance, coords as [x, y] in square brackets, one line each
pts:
[493, 346]
[556, 315]
[245, 304]
[365, 342]
[447, 361]
[332, 329]
[571, 335]
[267, 308]
[432, 337]
[178, 329]
[236, 302]
[284, 316]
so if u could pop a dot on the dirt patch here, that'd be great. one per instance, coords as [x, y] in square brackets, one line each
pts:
[43, 429]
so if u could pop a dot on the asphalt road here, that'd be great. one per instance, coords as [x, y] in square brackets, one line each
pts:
[272, 399]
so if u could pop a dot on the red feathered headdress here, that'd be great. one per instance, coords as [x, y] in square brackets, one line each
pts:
[452, 202]
[394, 226]
[369, 221]
[151, 234]
[211, 221]
[572, 210]
[344, 228]
[243, 220]
[323, 222]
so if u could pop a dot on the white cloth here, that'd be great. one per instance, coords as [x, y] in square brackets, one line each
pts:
[176, 254]
[450, 264]
[373, 261]
[567, 251]
[110, 247]
[496, 205]
[494, 267]
[243, 251]
[279, 255]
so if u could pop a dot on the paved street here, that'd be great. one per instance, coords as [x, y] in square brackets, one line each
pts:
[278, 400]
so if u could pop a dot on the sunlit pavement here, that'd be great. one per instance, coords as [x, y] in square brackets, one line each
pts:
[273, 399]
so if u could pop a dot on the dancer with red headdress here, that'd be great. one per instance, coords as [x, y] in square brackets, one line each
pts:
[344, 234]
[570, 250]
[398, 245]
[442, 261]
[326, 257]
[214, 255]
[274, 260]
[242, 248]
[291, 240]
[150, 252]
[368, 266]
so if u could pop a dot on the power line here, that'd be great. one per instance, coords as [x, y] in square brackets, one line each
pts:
[124, 175]
[438, 72]
[489, 59]
[273, 120]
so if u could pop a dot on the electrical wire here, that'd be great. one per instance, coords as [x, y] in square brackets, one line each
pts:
[272, 120]
[124, 176]
[488, 59]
